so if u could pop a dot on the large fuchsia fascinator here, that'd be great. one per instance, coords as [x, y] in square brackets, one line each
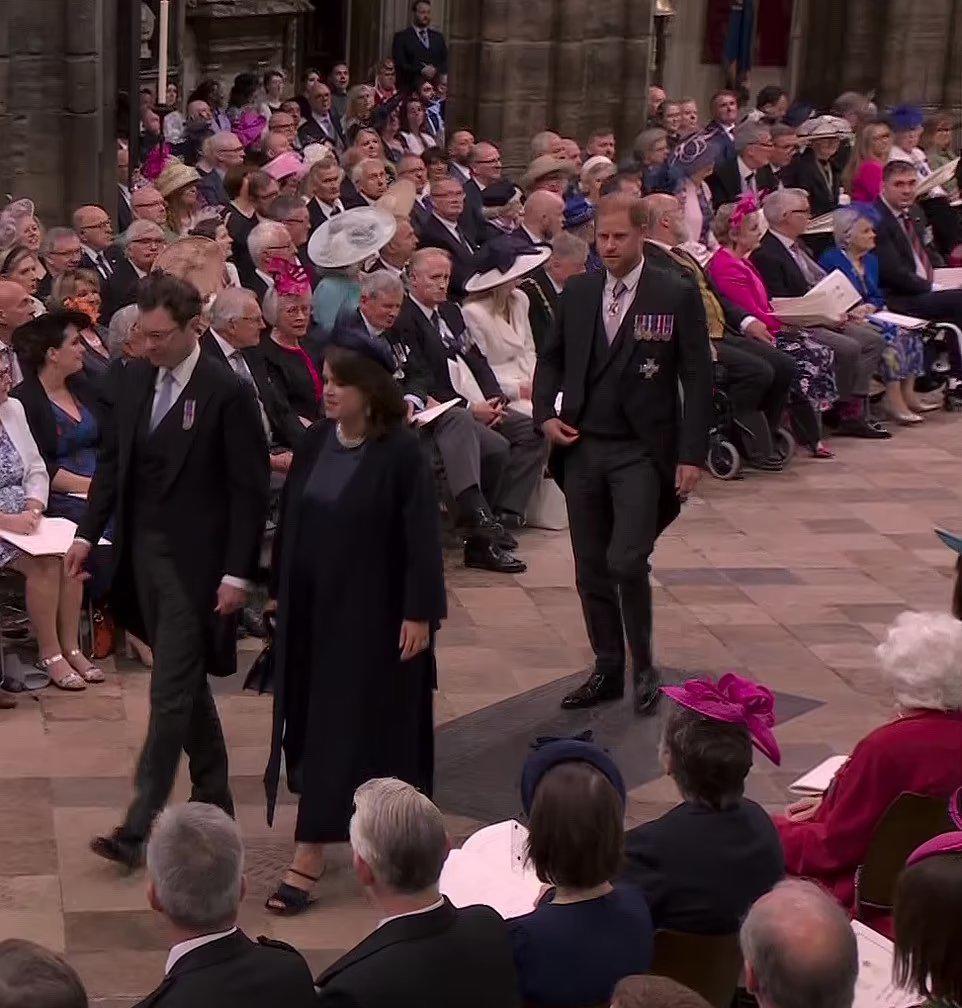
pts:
[155, 162]
[733, 700]
[290, 280]
[748, 203]
[944, 843]
[249, 127]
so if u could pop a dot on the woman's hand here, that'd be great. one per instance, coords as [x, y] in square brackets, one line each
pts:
[414, 638]
[24, 523]
[803, 810]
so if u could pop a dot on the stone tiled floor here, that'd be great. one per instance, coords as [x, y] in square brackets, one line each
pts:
[790, 578]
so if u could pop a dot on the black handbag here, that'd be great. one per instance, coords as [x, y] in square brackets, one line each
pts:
[260, 678]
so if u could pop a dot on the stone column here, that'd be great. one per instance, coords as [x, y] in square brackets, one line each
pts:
[57, 102]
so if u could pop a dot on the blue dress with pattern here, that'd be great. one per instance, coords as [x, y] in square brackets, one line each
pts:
[12, 496]
[77, 442]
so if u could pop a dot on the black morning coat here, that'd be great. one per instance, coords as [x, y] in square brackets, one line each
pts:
[649, 375]
[446, 958]
[362, 712]
[235, 972]
[213, 501]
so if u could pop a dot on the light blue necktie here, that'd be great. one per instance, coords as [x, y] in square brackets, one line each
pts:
[163, 400]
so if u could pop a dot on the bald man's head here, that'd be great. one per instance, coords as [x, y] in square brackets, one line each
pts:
[665, 219]
[544, 214]
[93, 225]
[16, 308]
[146, 203]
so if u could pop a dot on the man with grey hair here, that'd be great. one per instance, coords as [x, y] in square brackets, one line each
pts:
[425, 951]
[799, 949]
[547, 142]
[142, 243]
[195, 880]
[220, 152]
[60, 251]
[543, 287]
[788, 270]
[748, 170]
[369, 178]
[267, 240]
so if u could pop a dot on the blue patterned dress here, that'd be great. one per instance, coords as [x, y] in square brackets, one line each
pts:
[12, 496]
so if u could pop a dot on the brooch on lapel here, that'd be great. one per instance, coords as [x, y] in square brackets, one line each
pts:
[649, 369]
[190, 408]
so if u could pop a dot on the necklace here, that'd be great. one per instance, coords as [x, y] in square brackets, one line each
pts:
[345, 441]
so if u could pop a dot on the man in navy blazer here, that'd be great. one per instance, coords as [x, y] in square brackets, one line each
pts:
[419, 51]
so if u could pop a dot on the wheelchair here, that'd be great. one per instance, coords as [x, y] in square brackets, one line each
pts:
[724, 460]
[939, 339]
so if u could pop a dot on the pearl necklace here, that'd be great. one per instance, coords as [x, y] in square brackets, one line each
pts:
[345, 441]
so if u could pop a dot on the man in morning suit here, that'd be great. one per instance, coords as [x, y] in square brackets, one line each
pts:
[543, 288]
[420, 52]
[183, 471]
[425, 951]
[748, 170]
[96, 232]
[322, 125]
[195, 881]
[143, 242]
[443, 230]
[625, 453]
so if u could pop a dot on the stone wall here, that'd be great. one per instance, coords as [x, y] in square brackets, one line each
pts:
[570, 65]
[57, 94]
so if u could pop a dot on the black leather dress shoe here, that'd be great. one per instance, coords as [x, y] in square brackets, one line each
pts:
[119, 848]
[598, 688]
[509, 520]
[765, 465]
[484, 554]
[647, 691]
[482, 523]
[506, 541]
[859, 428]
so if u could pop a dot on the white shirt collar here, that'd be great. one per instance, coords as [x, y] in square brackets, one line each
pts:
[329, 208]
[266, 277]
[789, 243]
[478, 183]
[453, 228]
[743, 170]
[91, 252]
[554, 283]
[393, 270]
[182, 948]
[227, 350]
[412, 913]
[323, 119]
[897, 214]
[182, 372]
[140, 273]
[463, 172]
[534, 238]
[630, 281]
[371, 331]
[428, 312]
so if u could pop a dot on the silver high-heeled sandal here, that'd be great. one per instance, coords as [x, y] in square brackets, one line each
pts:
[92, 673]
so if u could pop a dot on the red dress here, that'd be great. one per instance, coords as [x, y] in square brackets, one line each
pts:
[921, 752]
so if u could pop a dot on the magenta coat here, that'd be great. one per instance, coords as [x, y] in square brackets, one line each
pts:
[738, 280]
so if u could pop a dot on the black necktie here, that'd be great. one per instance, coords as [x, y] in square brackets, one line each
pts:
[334, 212]
[750, 181]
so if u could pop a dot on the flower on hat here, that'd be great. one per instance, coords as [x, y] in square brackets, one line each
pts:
[249, 127]
[155, 162]
[290, 279]
[747, 204]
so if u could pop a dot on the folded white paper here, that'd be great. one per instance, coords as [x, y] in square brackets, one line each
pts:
[894, 318]
[816, 781]
[947, 279]
[825, 303]
[937, 178]
[821, 224]
[489, 869]
[52, 537]
[874, 987]
[432, 413]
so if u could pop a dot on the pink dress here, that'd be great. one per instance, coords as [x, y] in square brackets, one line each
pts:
[867, 182]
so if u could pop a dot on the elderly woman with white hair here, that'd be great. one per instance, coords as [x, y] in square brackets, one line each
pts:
[595, 172]
[919, 751]
[903, 355]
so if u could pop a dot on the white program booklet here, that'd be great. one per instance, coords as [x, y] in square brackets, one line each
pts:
[817, 780]
[827, 301]
[874, 987]
[52, 537]
[426, 416]
[894, 318]
[947, 279]
[489, 869]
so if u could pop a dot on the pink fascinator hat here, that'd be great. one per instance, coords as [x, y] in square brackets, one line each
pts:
[290, 279]
[945, 843]
[286, 164]
[748, 203]
[736, 701]
[249, 127]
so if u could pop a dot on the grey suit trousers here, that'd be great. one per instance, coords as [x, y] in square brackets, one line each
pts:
[858, 352]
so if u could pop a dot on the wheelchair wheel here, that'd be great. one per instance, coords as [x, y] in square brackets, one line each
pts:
[724, 462]
[784, 444]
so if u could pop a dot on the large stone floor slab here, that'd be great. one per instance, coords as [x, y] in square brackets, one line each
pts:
[790, 579]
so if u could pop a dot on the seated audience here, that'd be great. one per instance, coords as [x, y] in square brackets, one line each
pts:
[425, 951]
[799, 950]
[704, 863]
[784, 149]
[294, 215]
[695, 160]
[738, 230]
[443, 230]
[903, 356]
[124, 341]
[286, 170]
[689, 117]
[78, 290]
[241, 210]
[748, 170]
[34, 977]
[543, 287]
[143, 242]
[323, 187]
[826, 838]
[788, 270]
[21, 266]
[395, 256]
[359, 108]
[415, 137]
[863, 174]
[268, 242]
[771, 104]
[287, 310]
[586, 932]
[928, 918]
[595, 172]
[215, 230]
[654, 992]
[59, 251]
[53, 599]
[936, 144]
[813, 169]
[387, 121]
[195, 881]
[651, 152]
[496, 314]
[369, 180]
[501, 211]
[16, 307]
[178, 184]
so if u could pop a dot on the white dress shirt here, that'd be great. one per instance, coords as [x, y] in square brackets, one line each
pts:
[631, 283]
[459, 236]
[464, 173]
[412, 913]
[743, 172]
[106, 272]
[329, 208]
[182, 948]
[534, 238]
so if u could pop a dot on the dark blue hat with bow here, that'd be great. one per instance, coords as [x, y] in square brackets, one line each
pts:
[548, 752]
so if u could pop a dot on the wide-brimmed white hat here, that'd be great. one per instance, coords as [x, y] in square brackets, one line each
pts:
[825, 127]
[525, 263]
[351, 237]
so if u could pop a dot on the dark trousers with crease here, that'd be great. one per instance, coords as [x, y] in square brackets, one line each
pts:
[612, 489]
[183, 717]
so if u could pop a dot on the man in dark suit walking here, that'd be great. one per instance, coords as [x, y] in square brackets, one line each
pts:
[425, 952]
[625, 453]
[183, 471]
[420, 52]
[195, 881]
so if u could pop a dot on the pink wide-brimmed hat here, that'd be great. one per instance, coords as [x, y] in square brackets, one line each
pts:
[944, 843]
[286, 164]
[733, 700]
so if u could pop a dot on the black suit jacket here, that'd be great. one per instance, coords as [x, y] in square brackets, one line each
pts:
[311, 132]
[234, 972]
[213, 494]
[285, 427]
[434, 234]
[651, 405]
[120, 290]
[410, 57]
[542, 305]
[445, 958]
[725, 182]
[316, 214]
[124, 213]
[477, 229]
[896, 260]
[350, 196]
[803, 172]
[778, 269]
[700, 869]
[415, 331]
